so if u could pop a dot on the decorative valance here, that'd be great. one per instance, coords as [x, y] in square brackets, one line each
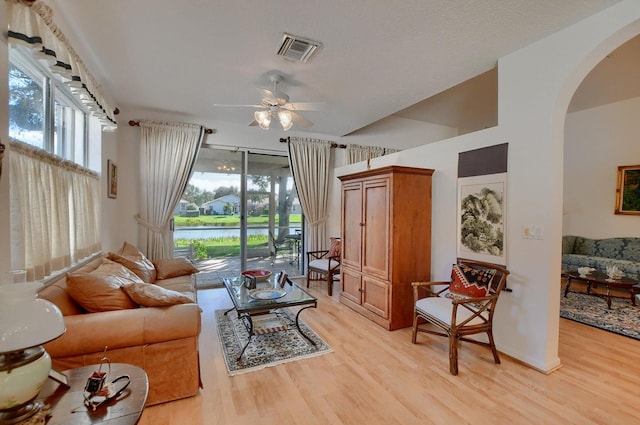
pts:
[31, 25]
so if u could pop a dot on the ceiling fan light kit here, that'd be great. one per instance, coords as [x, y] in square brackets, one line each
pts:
[275, 105]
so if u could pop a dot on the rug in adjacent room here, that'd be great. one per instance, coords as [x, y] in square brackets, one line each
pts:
[268, 349]
[622, 318]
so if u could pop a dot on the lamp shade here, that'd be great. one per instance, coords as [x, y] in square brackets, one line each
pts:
[286, 119]
[263, 118]
[25, 320]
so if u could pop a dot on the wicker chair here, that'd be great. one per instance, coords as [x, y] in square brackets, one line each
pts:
[463, 307]
[325, 263]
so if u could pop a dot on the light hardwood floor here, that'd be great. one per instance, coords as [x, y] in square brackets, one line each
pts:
[380, 377]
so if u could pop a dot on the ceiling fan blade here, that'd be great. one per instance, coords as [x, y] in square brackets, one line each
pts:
[253, 123]
[305, 106]
[238, 106]
[274, 98]
[300, 120]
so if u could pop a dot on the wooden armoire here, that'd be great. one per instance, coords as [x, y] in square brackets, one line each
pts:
[386, 241]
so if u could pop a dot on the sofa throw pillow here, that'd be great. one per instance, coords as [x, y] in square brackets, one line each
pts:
[172, 267]
[335, 249]
[150, 295]
[97, 292]
[468, 281]
[117, 269]
[130, 257]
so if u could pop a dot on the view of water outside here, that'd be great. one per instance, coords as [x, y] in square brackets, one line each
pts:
[222, 232]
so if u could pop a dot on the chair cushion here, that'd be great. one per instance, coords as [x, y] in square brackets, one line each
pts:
[469, 281]
[323, 264]
[441, 308]
[335, 249]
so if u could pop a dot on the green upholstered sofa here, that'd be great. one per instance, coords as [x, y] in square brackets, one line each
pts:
[600, 253]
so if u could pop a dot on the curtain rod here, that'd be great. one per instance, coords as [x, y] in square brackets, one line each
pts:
[133, 123]
[333, 144]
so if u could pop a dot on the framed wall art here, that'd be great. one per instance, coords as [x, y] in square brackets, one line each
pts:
[628, 190]
[481, 217]
[112, 179]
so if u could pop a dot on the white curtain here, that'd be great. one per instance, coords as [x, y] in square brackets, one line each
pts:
[31, 24]
[310, 165]
[168, 152]
[357, 153]
[55, 214]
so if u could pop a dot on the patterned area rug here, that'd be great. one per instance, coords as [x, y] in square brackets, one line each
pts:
[269, 349]
[623, 318]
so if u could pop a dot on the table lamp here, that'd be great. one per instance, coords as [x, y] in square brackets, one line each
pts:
[26, 322]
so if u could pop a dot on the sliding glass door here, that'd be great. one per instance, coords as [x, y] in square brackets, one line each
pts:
[273, 210]
[240, 212]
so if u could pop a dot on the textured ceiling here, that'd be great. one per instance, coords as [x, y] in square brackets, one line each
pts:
[378, 56]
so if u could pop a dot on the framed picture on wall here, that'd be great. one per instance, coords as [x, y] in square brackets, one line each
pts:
[112, 179]
[481, 217]
[628, 190]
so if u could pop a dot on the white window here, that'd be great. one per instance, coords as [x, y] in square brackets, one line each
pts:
[42, 111]
[55, 216]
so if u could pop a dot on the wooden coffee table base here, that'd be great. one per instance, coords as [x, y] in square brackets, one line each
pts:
[67, 403]
[600, 278]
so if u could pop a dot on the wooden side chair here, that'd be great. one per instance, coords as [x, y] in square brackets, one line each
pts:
[325, 263]
[463, 307]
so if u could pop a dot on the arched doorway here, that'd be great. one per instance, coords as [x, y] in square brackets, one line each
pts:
[599, 133]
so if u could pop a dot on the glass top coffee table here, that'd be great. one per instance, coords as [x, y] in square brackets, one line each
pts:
[258, 308]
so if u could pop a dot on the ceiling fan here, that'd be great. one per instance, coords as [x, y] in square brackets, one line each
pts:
[275, 104]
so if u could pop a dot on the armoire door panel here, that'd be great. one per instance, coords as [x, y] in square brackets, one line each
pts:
[352, 225]
[375, 297]
[375, 258]
[351, 285]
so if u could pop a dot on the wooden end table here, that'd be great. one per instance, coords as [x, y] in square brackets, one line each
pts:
[67, 406]
[600, 278]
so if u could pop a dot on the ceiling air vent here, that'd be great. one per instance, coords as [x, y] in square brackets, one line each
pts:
[297, 49]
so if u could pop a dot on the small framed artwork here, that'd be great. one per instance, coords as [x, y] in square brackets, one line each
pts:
[628, 190]
[112, 179]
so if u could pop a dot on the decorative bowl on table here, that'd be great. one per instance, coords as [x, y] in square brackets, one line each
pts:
[614, 272]
[583, 271]
[259, 275]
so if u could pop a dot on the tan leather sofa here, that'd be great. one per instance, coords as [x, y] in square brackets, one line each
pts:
[161, 340]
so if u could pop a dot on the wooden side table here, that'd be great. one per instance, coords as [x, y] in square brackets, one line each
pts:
[67, 406]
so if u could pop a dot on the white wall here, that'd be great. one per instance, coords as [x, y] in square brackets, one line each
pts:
[597, 141]
[111, 239]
